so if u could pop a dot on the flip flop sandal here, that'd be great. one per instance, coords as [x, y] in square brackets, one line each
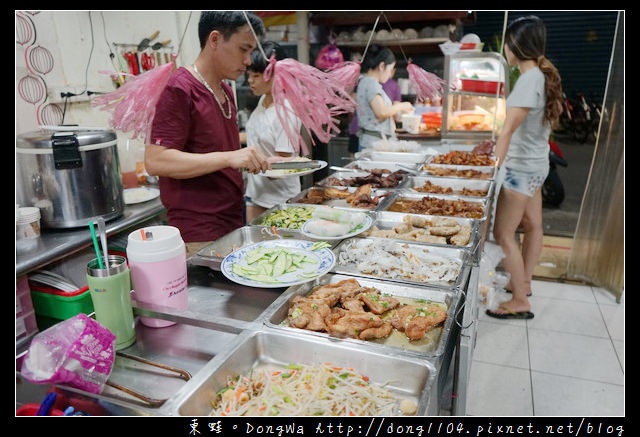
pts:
[523, 315]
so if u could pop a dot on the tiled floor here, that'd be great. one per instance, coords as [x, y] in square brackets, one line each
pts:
[566, 361]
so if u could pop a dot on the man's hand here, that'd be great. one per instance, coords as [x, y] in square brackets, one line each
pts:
[249, 158]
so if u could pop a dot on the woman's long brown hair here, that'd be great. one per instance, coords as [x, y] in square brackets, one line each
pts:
[526, 38]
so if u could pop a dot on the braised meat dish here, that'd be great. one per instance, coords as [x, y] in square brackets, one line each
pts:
[377, 178]
[361, 198]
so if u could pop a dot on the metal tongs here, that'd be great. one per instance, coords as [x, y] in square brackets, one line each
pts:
[294, 165]
[151, 402]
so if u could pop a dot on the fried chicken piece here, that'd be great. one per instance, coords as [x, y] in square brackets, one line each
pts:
[334, 292]
[313, 197]
[308, 313]
[377, 302]
[335, 193]
[361, 198]
[352, 304]
[415, 322]
[344, 323]
[373, 333]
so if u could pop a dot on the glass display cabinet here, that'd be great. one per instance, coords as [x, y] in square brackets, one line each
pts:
[474, 102]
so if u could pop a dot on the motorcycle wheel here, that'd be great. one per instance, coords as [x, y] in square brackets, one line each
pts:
[581, 132]
[552, 189]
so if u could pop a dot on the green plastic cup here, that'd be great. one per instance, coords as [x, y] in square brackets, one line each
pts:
[111, 295]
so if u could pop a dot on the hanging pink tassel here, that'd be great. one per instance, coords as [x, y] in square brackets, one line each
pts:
[346, 74]
[303, 91]
[427, 85]
[133, 105]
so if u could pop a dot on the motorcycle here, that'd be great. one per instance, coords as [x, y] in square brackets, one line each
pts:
[579, 117]
[553, 189]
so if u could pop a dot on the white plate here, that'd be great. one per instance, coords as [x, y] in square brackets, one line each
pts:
[325, 261]
[290, 173]
[139, 194]
[366, 224]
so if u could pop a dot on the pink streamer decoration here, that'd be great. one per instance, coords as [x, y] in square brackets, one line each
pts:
[304, 92]
[346, 74]
[133, 105]
[427, 85]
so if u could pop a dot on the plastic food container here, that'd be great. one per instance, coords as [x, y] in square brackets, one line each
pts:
[158, 261]
[32, 409]
[482, 86]
[27, 227]
[52, 306]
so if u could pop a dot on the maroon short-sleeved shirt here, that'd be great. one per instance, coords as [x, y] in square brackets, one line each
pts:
[189, 119]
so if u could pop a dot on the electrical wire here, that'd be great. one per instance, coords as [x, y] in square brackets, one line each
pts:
[68, 95]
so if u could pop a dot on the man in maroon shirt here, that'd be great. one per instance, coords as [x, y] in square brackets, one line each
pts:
[195, 147]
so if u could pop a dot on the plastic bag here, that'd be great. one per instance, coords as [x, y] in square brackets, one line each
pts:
[490, 281]
[329, 56]
[79, 352]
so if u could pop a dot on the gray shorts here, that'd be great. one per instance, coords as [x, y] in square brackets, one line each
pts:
[523, 182]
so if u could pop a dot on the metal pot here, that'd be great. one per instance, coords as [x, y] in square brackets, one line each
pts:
[71, 173]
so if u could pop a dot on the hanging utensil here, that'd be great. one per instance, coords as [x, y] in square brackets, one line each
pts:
[147, 61]
[159, 45]
[133, 62]
[145, 42]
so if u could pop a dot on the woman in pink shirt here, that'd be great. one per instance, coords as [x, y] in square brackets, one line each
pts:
[195, 147]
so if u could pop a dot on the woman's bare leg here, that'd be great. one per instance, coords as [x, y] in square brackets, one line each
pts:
[533, 236]
[509, 213]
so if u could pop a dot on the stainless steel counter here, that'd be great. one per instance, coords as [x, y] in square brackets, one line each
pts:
[55, 244]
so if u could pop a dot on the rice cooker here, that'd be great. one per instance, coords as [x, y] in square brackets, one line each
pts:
[71, 173]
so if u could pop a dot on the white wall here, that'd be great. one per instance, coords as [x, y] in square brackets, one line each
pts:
[80, 50]
[70, 36]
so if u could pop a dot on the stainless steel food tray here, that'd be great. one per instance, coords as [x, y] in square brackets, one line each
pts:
[401, 157]
[276, 315]
[326, 182]
[490, 170]
[455, 184]
[406, 377]
[459, 255]
[213, 254]
[367, 165]
[388, 220]
[341, 203]
[415, 196]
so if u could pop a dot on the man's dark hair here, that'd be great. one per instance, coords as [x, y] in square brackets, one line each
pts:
[259, 63]
[227, 23]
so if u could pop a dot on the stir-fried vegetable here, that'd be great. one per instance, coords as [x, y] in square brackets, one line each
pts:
[299, 390]
[288, 218]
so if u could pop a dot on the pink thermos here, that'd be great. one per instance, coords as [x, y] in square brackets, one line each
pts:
[157, 259]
